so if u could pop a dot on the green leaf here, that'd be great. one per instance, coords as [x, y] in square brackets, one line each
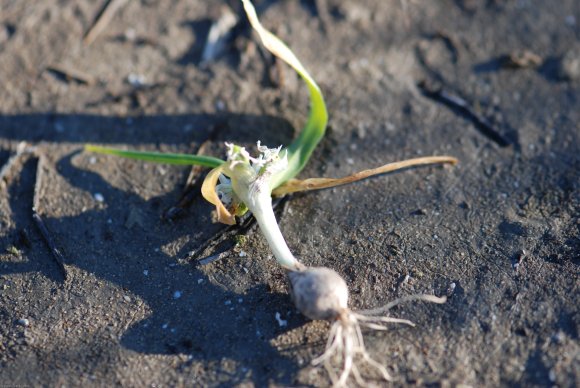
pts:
[301, 148]
[159, 157]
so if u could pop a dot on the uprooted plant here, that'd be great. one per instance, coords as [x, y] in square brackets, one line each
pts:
[243, 183]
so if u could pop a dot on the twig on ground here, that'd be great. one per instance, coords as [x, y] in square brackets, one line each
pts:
[102, 20]
[450, 42]
[459, 105]
[46, 235]
[72, 74]
[525, 59]
[218, 256]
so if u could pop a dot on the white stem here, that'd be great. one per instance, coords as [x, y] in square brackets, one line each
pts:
[250, 180]
[261, 207]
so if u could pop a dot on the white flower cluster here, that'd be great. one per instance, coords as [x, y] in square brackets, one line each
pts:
[257, 170]
[269, 159]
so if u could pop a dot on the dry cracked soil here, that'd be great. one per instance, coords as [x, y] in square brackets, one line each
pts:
[495, 83]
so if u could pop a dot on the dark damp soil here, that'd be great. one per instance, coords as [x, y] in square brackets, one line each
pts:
[498, 234]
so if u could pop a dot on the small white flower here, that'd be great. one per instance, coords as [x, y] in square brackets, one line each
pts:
[224, 190]
[268, 162]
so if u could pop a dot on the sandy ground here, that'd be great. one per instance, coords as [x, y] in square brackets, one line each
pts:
[498, 234]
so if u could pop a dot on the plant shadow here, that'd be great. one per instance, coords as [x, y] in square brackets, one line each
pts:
[190, 311]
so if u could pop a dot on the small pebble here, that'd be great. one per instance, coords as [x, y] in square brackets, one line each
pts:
[228, 302]
[559, 337]
[165, 326]
[24, 322]
[136, 79]
[127, 298]
[569, 66]
[99, 197]
[146, 272]
[199, 281]
[451, 288]
[130, 34]
[281, 322]
[243, 254]
[177, 295]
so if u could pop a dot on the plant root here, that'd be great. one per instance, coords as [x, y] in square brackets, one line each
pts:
[345, 346]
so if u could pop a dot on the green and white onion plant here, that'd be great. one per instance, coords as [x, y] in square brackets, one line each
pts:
[243, 183]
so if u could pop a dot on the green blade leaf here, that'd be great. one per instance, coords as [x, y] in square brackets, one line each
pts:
[301, 148]
[159, 157]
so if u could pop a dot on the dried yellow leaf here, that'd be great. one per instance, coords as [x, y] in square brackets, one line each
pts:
[295, 185]
[208, 191]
